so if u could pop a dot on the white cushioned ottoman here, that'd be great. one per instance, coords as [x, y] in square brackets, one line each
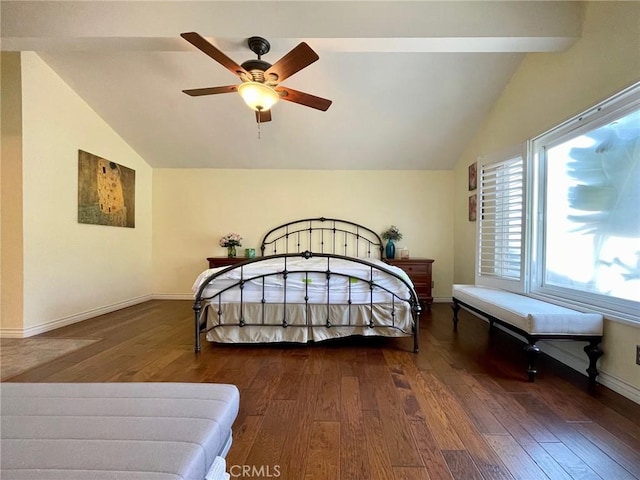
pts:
[122, 431]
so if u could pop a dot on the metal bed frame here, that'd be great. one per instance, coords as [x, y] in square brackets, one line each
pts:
[312, 237]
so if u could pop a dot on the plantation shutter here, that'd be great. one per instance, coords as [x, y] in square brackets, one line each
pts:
[501, 224]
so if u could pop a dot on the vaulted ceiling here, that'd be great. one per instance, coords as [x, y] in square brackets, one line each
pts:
[411, 82]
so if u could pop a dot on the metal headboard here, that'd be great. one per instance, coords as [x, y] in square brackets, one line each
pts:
[323, 235]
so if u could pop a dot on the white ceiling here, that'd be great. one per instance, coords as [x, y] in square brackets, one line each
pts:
[411, 82]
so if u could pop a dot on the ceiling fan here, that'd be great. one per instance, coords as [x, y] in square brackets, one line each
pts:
[260, 87]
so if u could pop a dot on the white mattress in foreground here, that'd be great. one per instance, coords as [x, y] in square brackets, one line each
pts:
[116, 431]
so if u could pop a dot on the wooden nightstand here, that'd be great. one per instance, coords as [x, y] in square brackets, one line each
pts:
[419, 270]
[215, 262]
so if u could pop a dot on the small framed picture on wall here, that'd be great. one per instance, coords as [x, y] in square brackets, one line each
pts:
[473, 176]
[473, 207]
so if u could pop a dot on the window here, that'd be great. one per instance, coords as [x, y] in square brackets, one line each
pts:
[586, 209]
[564, 224]
[500, 221]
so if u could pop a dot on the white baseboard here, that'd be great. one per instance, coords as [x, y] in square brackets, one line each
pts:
[580, 365]
[442, 300]
[620, 386]
[173, 296]
[64, 321]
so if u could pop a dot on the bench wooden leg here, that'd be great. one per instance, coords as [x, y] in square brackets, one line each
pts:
[532, 354]
[416, 331]
[594, 352]
[456, 308]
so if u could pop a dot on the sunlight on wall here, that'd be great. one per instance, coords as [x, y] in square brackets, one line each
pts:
[547, 89]
[194, 208]
[11, 275]
[69, 268]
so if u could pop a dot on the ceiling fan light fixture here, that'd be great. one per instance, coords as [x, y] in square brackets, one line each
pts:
[258, 96]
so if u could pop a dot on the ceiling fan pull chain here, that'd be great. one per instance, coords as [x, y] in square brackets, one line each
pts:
[259, 124]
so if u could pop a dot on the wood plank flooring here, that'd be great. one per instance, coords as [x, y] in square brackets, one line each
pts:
[369, 409]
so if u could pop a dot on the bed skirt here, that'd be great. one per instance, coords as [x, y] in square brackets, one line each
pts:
[264, 323]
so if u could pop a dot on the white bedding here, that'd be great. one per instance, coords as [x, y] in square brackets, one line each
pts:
[349, 303]
[352, 283]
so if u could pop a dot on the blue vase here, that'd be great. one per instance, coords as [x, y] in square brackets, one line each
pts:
[390, 250]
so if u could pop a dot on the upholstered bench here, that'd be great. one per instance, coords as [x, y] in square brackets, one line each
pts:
[533, 319]
[121, 431]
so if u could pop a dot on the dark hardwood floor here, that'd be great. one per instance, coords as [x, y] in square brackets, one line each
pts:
[366, 409]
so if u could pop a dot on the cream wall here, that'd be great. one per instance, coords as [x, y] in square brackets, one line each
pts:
[192, 209]
[11, 293]
[74, 271]
[547, 89]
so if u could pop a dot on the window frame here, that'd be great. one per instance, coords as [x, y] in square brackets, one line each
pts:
[603, 113]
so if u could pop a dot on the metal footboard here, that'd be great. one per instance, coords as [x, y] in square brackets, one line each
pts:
[204, 301]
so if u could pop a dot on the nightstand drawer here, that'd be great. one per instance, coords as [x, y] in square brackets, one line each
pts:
[422, 287]
[418, 275]
[419, 270]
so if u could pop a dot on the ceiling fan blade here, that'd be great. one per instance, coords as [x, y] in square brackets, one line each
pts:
[306, 99]
[196, 92]
[202, 44]
[263, 116]
[294, 61]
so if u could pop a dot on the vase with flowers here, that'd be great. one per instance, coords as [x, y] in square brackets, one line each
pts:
[231, 241]
[391, 235]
